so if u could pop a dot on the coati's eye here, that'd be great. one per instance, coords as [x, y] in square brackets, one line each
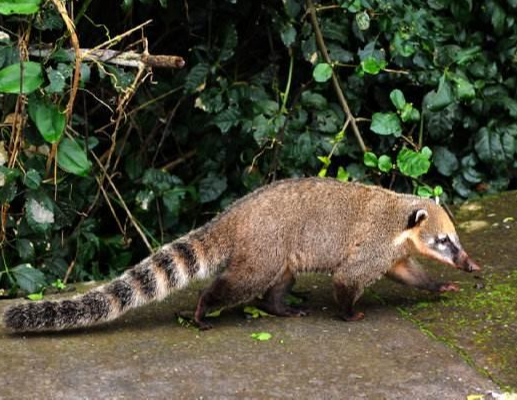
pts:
[442, 239]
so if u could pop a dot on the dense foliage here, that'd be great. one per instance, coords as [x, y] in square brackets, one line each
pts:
[138, 159]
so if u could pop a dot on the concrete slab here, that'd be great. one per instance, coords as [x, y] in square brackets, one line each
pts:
[147, 354]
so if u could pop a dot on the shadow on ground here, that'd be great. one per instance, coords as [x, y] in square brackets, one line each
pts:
[392, 354]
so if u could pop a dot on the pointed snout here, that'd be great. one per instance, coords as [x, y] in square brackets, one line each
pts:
[465, 263]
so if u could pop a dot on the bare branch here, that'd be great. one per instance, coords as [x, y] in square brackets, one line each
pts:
[129, 59]
[335, 80]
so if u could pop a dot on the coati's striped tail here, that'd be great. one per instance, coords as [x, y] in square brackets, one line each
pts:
[152, 279]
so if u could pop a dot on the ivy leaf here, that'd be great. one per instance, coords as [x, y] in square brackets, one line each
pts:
[39, 212]
[370, 159]
[322, 72]
[386, 124]
[412, 163]
[32, 179]
[363, 20]
[48, 118]
[196, 78]
[211, 187]
[314, 100]
[342, 175]
[424, 191]
[28, 278]
[26, 7]
[288, 35]
[443, 97]
[463, 88]
[397, 98]
[10, 77]
[494, 147]
[57, 81]
[385, 164]
[229, 43]
[25, 249]
[227, 119]
[409, 113]
[71, 157]
[445, 161]
[372, 65]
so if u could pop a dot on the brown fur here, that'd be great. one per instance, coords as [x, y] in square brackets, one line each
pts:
[355, 232]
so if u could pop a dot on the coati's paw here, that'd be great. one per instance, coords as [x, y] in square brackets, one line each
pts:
[448, 287]
[203, 326]
[187, 318]
[356, 316]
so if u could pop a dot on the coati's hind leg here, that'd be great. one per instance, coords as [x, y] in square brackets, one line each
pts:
[410, 272]
[349, 283]
[274, 299]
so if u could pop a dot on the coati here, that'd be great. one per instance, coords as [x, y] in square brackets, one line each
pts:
[263, 241]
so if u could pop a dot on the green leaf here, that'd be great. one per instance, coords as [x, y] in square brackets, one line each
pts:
[424, 191]
[10, 77]
[437, 191]
[25, 249]
[322, 72]
[288, 34]
[314, 100]
[397, 98]
[372, 65]
[412, 163]
[325, 160]
[229, 43]
[494, 147]
[214, 314]
[464, 89]
[48, 118]
[255, 312]
[72, 158]
[261, 336]
[39, 212]
[443, 97]
[445, 161]
[370, 159]
[342, 175]
[26, 7]
[144, 198]
[28, 278]
[58, 284]
[227, 119]
[172, 200]
[32, 179]
[385, 164]
[386, 124]
[409, 113]
[211, 187]
[196, 78]
[363, 20]
[57, 81]
[35, 296]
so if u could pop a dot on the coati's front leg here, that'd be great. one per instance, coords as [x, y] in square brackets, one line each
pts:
[346, 293]
[274, 299]
[410, 272]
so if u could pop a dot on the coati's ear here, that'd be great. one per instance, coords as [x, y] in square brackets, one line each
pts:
[417, 218]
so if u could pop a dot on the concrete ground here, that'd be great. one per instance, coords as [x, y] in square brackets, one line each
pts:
[149, 354]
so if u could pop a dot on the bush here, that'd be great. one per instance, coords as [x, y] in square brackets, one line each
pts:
[99, 167]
